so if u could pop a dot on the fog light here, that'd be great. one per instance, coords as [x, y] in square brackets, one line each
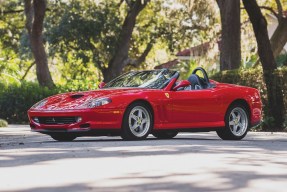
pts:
[36, 119]
[78, 119]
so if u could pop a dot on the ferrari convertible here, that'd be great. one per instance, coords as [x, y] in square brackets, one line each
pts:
[140, 103]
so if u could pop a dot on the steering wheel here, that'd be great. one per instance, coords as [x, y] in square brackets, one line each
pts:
[205, 79]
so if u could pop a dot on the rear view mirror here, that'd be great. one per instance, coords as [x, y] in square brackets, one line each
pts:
[101, 85]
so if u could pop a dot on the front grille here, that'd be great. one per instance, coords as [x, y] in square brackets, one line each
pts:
[57, 120]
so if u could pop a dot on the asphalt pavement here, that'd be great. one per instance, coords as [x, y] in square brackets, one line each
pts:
[189, 162]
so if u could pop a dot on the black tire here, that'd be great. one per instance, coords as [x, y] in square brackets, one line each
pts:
[165, 134]
[229, 132]
[63, 137]
[134, 132]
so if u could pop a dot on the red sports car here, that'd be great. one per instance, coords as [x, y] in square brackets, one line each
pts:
[140, 103]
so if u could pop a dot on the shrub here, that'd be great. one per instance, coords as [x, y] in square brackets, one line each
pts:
[3, 123]
[16, 99]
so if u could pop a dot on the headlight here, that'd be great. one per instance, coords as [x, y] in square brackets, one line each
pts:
[97, 102]
[39, 104]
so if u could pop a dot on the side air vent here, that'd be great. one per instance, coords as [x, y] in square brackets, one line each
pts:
[76, 96]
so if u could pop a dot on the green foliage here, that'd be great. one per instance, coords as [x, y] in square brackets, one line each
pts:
[16, 99]
[11, 26]
[87, 28]
[90, 30]
[81, 36]
[248, 77]
[9, 73]
[188, 23]
[3, 123]
[77, 74]
[79, 85]
[12, 63]
[281, 60]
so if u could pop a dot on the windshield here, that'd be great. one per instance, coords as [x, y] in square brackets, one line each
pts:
[156, 79]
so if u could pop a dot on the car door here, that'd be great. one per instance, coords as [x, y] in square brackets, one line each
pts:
[192, 107]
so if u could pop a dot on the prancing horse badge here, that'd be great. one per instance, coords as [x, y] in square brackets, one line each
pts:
[167, 95]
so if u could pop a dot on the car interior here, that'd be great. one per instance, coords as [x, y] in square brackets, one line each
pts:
[196, 82]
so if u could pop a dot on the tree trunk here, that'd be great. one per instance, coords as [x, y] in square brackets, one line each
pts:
[279, 38]
[120, 59]
[230, 50]
[274, 89]
[35, 13]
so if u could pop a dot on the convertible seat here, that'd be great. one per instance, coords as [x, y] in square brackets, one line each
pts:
[195, 81]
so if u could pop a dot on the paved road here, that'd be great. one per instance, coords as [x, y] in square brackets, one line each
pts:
[190, 162]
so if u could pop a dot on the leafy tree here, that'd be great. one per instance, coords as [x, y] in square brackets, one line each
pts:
[121, 57]
[274, 89]
[79, 33]
[35, 13]
[94, 31]
[10, 36]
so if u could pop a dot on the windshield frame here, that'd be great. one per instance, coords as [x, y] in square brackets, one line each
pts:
[174, 74]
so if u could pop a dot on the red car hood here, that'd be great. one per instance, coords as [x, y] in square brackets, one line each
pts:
[74, 100]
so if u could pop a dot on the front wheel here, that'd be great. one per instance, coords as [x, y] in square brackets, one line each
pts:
[63, 137]
[137, 122]
[236, 123]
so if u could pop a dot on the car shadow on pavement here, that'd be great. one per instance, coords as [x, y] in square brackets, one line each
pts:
[206, 164]
[41, 151]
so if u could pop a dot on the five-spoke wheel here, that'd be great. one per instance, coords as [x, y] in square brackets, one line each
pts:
[236, 123]
[137, 122]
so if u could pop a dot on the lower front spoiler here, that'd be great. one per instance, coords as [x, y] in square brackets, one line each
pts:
[80, 132]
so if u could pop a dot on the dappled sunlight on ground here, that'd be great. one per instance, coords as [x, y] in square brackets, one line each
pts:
[197, 162]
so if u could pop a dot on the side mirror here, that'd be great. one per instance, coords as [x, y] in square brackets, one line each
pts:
[101, 85]
[183, 83]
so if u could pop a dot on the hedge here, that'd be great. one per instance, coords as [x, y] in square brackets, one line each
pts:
[16, 99]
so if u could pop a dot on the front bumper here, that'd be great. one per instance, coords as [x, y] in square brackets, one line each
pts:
[91, 119]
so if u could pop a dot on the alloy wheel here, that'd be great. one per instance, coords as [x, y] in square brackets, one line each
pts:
[139, 121]
[238, 121]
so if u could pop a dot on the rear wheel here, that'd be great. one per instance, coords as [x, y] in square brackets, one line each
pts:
[236, 123]
[137, 122]
[165, 134]
[63, 137]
